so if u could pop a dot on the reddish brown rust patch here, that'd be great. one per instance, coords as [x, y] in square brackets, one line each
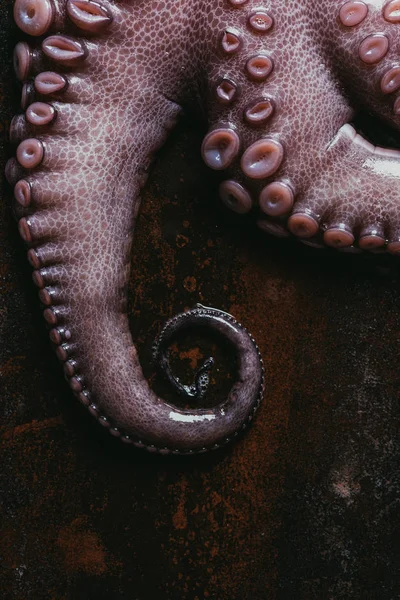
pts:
[82, 549]
[190, 284]
[30, 428]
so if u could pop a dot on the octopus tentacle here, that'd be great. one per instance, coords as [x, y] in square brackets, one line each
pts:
[84, 146]
[312, 176]
[360, 174]
[361, 44]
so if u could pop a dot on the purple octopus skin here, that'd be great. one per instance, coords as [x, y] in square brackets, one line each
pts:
[103, 85]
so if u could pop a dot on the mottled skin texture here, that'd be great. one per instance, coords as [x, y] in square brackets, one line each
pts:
[127, 84]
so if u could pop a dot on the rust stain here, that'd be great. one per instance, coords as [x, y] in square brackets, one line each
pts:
[32, 427]
[181, 240]
[82, 549]
[179, 519]
[12, 366]
[194, 355]
[190, 284]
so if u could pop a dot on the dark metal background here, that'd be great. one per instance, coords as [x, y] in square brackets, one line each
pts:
[305, 506]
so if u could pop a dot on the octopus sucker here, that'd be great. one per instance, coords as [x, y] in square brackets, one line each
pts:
[103, 85]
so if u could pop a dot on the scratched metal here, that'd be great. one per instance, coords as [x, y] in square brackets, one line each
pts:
[305, 506]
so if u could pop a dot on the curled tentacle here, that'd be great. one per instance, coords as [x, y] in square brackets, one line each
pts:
[235, 333]
[246, 393]
[92, 123]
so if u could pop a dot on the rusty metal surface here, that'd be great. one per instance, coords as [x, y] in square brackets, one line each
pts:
[305, 506]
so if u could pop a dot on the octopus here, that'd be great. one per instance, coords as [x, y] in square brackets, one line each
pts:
[104, 83]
